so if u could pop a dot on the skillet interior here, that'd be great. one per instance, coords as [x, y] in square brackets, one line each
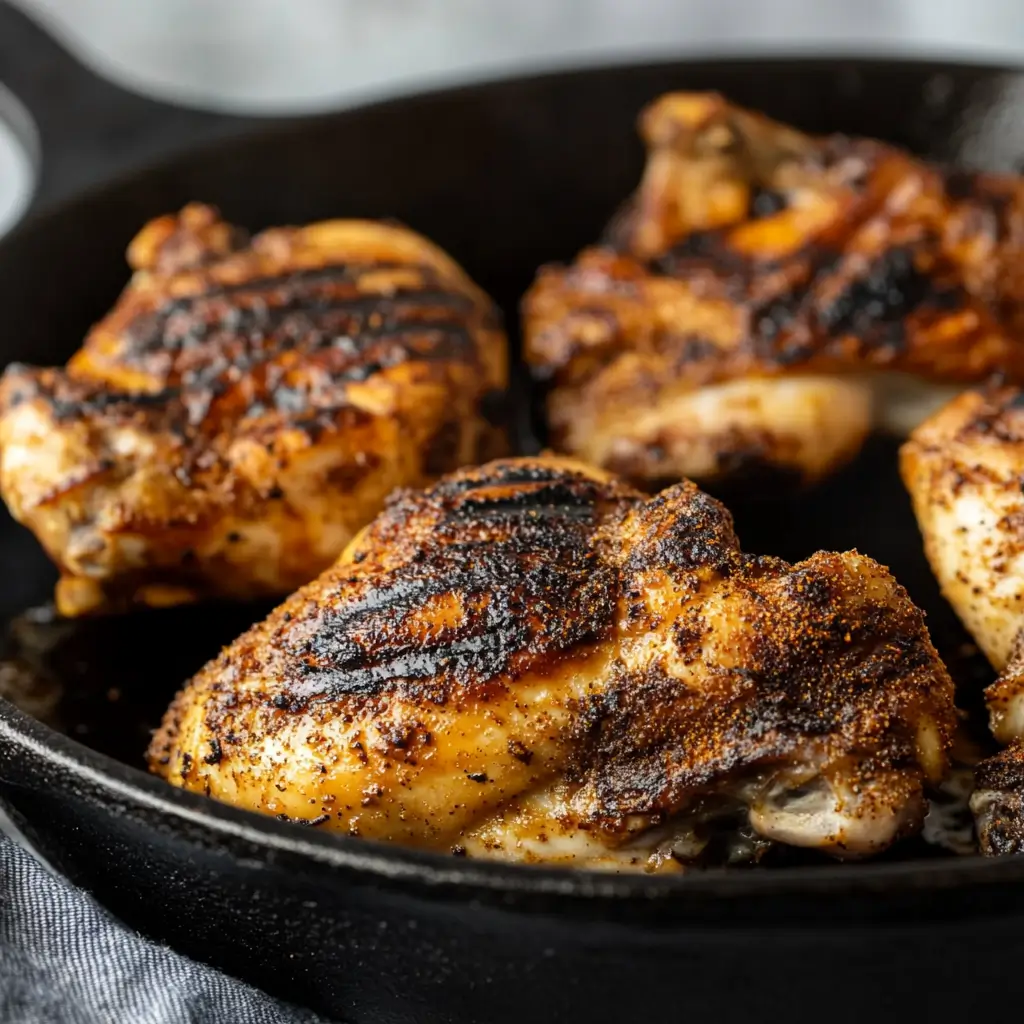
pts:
[506, 176]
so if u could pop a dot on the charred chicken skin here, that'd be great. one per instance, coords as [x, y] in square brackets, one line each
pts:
[998, 802]
[532, 661]
[767, 297]
[963, 468]
[245, 408]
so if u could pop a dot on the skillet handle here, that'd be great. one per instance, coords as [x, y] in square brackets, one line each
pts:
[88, 129]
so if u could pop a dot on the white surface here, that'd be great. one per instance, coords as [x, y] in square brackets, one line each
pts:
[16, 160]
[286, 55]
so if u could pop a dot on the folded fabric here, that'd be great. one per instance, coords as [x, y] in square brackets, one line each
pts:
[65, 960]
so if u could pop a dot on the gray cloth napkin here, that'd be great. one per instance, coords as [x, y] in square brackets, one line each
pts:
[65, 960]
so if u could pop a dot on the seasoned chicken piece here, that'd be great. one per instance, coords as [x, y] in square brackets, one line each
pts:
[964, 469]
[1005, 697]
[245, 408]
[530, 661]
[766, 298]
[998, 802]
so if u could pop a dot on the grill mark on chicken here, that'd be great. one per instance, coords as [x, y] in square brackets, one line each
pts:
[289, 281]
[550, 501]
[694, 252]
[549, 609]
[186, 411]
[524, 471]
[201, 384]
[792, 320]
[874, 306]
[192, 319]
[102, 402]
[529, 588]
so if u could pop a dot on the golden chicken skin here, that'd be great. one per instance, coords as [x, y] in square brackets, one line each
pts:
[766, 298]
[964, 469]
[531, 661]
[245, 408]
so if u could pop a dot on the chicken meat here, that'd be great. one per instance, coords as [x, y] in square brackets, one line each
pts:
[246, 406]
[532, 661]
[997, 802]
[963, 468]
[766, 298]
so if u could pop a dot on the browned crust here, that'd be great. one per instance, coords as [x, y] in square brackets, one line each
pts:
[993, 415]
[962, 468]
[235, 363]
[531, 567]
[998, 802]
[263, 336]
[751, 249]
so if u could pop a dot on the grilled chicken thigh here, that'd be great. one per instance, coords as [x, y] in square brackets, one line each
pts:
[963, 468]
[767, 297]
[246, 407]
[532, 661]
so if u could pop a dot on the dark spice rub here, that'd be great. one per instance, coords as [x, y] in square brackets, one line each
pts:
[998, 802]
[246, 406]
[772, 295]
[532, 661]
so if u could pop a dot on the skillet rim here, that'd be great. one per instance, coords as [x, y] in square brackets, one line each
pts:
[27, 737]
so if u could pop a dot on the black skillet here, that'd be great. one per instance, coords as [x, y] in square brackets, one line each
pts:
[506, 176]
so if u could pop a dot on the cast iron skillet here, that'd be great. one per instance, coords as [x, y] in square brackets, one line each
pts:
[506, 176]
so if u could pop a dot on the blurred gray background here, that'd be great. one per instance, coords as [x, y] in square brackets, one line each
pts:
[309, 54]
[283, 56]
